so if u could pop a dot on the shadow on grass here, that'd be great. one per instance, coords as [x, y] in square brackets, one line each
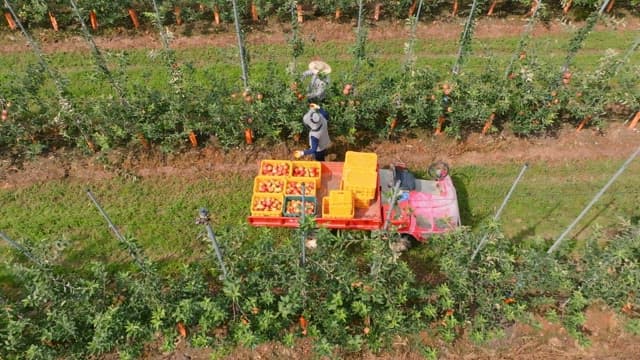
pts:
[530, 231]
[593, 218]
[466, 215]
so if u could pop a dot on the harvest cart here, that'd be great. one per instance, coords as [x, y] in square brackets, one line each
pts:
[427, 207]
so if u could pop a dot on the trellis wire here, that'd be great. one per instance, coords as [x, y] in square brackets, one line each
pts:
[241, 49]
[593, 201]
[526, 35]
[360, 39]
[410, 51]
[101, 63]
[158, 21]
[297, 44]
[21, 248]
[499, 212]
[303, 235]
[63, 101]
[203, 219]
[625, 59]
[576, 43]
[465, 38]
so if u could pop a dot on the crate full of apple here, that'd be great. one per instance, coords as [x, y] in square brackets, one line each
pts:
[275, 168]
[265, 204]
[295, 187]
[293, 205]
[307, 169]
[269, 184]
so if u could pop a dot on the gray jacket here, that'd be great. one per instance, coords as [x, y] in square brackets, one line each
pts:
[316, 91]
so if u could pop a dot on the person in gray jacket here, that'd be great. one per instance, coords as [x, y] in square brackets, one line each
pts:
[319, 139]
[319, 72]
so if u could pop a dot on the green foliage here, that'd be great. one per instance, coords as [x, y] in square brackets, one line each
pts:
[354, 293]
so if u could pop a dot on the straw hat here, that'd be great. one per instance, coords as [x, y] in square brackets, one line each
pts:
[318, 66]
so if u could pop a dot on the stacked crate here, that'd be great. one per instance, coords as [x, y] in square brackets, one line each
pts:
[308, 173]
[268, 188]
[277, 190]
[360, 177]
[338, 205]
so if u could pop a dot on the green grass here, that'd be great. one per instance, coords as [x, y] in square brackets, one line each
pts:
[548, 197]
[79, 69]
[160, 212]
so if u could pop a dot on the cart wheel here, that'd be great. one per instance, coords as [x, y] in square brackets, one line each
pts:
[438, 170]
[402, 244]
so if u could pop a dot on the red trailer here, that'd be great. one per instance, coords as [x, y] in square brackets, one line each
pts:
[423, 208]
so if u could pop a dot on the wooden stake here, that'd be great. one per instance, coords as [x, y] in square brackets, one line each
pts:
[412, 8]
[10, 21]
[487, 125]
[492, 7]
[300, 13]
[93, 19]
[216, 14]
[376, 11]
[193, 139]
[583, 123]
[534, 3]
[610, 6]
[177, 12]
[143, 141]
[248, 136]
[566, 7]
[134, 17]
[338, 13]
[635, 121]
[440, 123]
[54, 22]
[254, 12]
[91, 146]
[454, 11]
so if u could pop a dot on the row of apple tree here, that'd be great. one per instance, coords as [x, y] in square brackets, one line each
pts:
[59, 14]
[534, 98]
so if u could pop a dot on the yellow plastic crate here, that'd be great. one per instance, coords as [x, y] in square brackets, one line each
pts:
[264, 204]
[363, 183]
[361, 203]
[336, 210]
[360, 160]
[269, 184]
[275, 168]
[341, 196]
[293, 187]
[307, 169]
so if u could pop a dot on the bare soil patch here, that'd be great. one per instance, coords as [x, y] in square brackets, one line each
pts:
[319, 30]
[418, 152]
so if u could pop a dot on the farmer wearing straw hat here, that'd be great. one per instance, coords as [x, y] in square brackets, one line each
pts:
[319, 139]
[319, 72]
[316, 119]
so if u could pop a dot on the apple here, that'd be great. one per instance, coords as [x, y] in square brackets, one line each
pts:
[275, 170]
[294, 207]
[267, 204]
[270, 186]
[295, 188]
